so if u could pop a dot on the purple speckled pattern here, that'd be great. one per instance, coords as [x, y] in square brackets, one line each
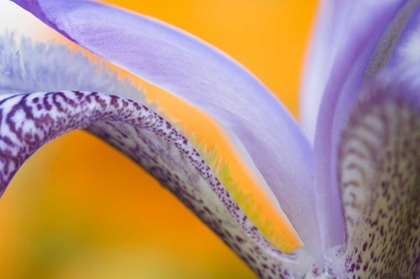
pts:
[27, 121]
[380, 181]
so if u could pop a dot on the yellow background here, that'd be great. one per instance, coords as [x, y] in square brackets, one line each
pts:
[78, 209]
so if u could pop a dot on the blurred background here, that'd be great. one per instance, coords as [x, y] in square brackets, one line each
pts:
[78, 209]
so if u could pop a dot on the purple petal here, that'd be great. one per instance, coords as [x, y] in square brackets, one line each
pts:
[331, 20]
[379, 171]
[27, 121]
[358, 57]
[208, 79]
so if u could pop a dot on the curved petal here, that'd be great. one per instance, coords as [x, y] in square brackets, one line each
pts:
[379, 179]
[27, 121]
[359, 56]
[206, 78]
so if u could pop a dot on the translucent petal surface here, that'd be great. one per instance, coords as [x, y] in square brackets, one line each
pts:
[379, 180]
[208, 79]
[326, 39]
[364, 29]
[27, 121]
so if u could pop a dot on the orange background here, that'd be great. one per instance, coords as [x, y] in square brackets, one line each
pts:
[78, 209]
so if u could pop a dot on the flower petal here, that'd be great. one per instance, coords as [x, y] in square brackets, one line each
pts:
[358, 57]
[379, 179]
[21, 70]
[327, 35]
[27, 121]
[206, 78]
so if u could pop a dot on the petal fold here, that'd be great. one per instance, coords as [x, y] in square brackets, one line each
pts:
[379, 180]
[367, 33]
[203, 76]
[27, 121]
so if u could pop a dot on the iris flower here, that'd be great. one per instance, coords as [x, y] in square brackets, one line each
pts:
[347, 188]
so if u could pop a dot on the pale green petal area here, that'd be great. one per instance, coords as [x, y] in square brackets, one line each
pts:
[253, 197]
[380, 180]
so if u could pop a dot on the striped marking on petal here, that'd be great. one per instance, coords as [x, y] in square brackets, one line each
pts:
[380, 182]
[27, 121]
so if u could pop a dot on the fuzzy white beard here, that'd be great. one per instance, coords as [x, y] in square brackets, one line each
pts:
[27, 66]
